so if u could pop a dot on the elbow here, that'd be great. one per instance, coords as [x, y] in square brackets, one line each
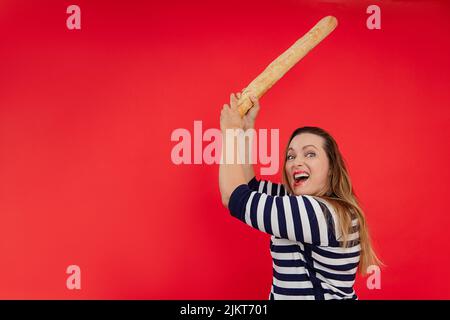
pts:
[225, 201]
[225, 196]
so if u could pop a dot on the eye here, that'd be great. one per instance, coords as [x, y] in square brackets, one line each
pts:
[290, 157]
[313, 153]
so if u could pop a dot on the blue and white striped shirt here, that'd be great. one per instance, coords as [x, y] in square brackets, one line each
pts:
[309, 261]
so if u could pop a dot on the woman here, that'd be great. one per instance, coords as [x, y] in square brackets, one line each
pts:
[319, 234]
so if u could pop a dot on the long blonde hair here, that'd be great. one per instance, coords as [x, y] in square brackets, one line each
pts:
[341, 195]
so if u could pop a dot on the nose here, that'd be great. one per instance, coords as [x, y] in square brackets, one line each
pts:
[298, 167]
[299, 162]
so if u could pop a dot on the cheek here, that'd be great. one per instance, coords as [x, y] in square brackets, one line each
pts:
[321, 171]
[287, 169]
[324, 173]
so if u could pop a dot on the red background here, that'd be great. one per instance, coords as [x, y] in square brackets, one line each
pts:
[86, 116]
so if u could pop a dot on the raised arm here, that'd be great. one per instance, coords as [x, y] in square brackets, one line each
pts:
[233, 173]
[248, 124]
[262, 186]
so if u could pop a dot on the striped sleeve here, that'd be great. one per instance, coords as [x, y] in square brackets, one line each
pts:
[297, 218]
[268, 187]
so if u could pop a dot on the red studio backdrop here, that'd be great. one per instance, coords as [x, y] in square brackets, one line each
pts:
[86, 117]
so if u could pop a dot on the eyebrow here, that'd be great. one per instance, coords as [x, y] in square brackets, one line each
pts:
[309, 145]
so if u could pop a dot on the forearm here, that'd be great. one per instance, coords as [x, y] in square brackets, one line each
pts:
[249, 173]
[231, 172]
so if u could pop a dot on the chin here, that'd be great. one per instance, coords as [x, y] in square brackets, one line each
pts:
[300, 191]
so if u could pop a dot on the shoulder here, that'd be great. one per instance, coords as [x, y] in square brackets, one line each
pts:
[330, 205]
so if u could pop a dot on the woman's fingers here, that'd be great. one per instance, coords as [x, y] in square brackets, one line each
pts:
[253, 112]
[254, 100]
[233, 101]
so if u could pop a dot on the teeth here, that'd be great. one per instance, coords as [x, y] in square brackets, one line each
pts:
[300, 175]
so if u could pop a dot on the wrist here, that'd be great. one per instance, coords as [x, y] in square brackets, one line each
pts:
[250, 125]
[232, 128]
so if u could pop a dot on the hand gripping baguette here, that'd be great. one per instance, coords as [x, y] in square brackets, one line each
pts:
[286, 61]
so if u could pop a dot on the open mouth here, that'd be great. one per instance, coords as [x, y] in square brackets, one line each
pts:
[300, 178]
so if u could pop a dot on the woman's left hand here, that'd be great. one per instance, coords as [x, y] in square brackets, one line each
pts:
[230, 118]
